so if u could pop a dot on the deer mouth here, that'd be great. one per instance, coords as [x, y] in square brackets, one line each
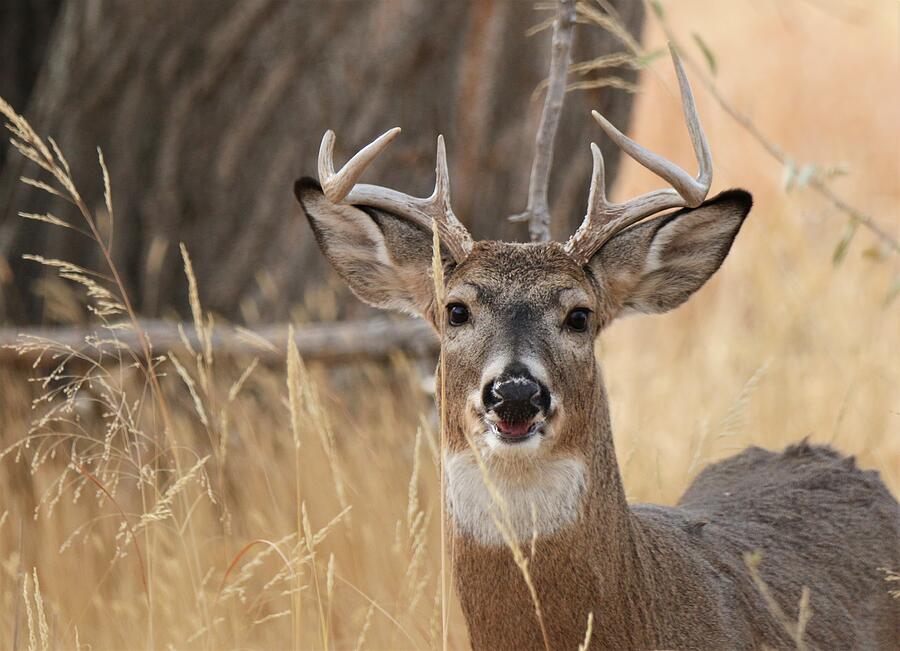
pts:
[516, 432]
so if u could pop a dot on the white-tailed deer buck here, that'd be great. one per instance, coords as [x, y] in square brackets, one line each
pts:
[518, 324]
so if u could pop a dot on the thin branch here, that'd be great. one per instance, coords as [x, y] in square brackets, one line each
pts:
[537, 214]
[816, 182]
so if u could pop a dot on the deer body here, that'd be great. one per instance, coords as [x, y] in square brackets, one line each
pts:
[655, 577]
[675, 578]
[529, 458]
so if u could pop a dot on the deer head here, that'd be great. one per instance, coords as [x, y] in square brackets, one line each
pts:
[519, 321]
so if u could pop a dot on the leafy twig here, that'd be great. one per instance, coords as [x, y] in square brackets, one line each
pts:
[815, 182]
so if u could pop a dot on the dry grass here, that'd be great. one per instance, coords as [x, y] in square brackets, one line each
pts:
[295, 506]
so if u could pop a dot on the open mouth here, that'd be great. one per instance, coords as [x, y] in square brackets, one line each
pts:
[510, 432]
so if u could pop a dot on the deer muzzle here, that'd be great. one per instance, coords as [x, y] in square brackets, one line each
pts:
[516, 404]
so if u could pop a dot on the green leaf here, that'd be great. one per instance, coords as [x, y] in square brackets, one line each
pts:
[707, 53]
[805, 173]
[838, 169]
[840, 251]
[788, 175]
[648, 57]
[874, 253]
[658, 9]
[893, 292]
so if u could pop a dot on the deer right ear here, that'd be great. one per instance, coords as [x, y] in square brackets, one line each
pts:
[384, 258]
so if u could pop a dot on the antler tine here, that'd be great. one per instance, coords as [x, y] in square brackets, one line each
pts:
[441, 194]
[597, 197]
[336, 186]
[341, 187]
[604, 219]
[692, 190]
[451, 230]
[695, 130]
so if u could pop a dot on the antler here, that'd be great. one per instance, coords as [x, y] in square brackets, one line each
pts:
[605, 219]
[341, 187]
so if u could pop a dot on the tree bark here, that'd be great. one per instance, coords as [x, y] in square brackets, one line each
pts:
[207, 112]
[25, 28]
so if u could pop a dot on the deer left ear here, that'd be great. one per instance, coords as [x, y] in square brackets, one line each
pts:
[655, 266]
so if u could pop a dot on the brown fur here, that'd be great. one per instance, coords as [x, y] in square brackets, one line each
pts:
[675, 578]
[653, 577]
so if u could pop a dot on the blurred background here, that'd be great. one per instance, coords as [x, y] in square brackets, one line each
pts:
[207, 112]
[172, 516]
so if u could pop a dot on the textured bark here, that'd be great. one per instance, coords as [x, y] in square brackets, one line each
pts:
[207, 112]
[25, 28]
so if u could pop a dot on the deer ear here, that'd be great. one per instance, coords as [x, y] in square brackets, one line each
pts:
[385, 259]
[655, 266]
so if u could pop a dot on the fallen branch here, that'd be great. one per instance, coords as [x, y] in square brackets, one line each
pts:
[377, 338]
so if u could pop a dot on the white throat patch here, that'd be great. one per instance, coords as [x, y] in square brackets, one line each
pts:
[554, 486]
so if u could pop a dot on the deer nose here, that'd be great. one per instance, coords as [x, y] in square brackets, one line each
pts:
[515, 399]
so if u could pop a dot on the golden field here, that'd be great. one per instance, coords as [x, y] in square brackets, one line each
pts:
[299, 507]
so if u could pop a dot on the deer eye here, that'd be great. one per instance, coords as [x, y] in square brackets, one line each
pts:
[577, 320]
[457, 314]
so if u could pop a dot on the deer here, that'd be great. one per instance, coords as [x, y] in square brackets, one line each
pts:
[528, 425]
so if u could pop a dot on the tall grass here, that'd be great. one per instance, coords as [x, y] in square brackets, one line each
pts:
[231, 503]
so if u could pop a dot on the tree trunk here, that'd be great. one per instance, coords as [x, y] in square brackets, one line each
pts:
[207, 112]
[25, 28]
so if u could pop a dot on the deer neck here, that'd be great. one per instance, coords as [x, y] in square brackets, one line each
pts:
[585, 550]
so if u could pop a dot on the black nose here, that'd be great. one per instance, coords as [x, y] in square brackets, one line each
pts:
[515, 398]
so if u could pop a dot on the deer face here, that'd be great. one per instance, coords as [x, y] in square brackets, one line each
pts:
[519, 321]
[519, 325]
